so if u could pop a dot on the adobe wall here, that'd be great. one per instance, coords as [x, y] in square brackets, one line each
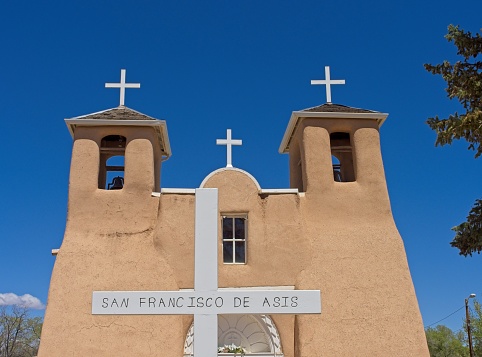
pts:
[339, 238]
[358, 259]
[110, 244]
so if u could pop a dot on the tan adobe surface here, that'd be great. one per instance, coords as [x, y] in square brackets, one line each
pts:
[338, 237]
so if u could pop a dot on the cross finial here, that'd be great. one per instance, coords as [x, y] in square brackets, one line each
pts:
[122, 85]
[229, 143]
[328, 82]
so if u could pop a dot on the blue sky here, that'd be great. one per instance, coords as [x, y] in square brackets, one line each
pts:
[205, 66]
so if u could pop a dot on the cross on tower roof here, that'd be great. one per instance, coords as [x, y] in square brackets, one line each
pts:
[122, 85]
[328, 82]
[229, 143]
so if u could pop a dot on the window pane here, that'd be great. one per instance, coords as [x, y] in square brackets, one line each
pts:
[227, 228]
[227, 252]
[239, 225]
[240, 252]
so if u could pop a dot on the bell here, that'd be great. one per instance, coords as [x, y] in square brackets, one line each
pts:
[337, 173]
[116, 184]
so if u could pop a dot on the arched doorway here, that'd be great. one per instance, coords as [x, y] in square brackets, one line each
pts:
[257, 334]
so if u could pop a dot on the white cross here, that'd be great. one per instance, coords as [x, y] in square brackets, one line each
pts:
[122, 85]
[229, 143]
[206, 269]
[328, 83]
[206, 302]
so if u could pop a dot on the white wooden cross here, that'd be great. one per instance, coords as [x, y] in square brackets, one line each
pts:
[206, 302]
[328, 83]
[229, 143]
[122, 85]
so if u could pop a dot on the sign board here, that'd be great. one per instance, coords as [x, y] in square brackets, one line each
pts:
[218, 302]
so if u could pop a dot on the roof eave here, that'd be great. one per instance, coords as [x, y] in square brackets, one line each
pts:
[159, 125]
[299, 115]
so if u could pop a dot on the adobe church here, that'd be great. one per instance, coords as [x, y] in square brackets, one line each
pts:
[331, 234]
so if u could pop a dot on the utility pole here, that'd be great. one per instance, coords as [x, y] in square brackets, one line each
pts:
[467, 317]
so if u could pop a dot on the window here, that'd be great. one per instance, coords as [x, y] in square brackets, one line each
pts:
[342, 157]
[234, 239]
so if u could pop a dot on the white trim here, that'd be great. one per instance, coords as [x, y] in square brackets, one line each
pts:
[346, 115]
[179, 191]
[106, 110]
[277, 191]
[230, 169]
[55, 251]
[159, 125]
[268, 327]
[192, 191]
[104, 122]
[110, 122]
[280, 287]
[234, 215]
[296, 117]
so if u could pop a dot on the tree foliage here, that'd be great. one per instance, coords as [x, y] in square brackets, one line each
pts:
[443, 342]
[468, 235]
[464, 82]
[476, 328]
[19, 334]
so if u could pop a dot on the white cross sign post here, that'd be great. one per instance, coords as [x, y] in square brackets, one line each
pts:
[229, 143]
[122, 85]
[328, 82]
[205, 302]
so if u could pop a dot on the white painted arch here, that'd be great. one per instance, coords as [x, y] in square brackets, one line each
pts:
[256, 333]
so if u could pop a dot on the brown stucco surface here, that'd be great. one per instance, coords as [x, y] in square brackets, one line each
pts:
[338, 237]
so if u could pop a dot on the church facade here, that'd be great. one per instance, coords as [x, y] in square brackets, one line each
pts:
[332, 230]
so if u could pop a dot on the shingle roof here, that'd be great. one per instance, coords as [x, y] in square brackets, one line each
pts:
[119, 113]
[337, 108]
[331, 111]
[123, 116]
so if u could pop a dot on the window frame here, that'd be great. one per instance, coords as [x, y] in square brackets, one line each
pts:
[232, 240]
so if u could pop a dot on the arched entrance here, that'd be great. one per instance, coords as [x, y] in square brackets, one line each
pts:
[257, 334]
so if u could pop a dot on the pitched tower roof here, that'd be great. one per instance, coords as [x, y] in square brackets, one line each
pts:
[327, 110]
[123, 116]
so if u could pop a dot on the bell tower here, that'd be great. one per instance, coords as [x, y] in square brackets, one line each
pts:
[333, 143]
[138, 144]
[359, 261]
[108, 240]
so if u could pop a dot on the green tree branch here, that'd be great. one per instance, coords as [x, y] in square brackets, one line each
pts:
[464, 82]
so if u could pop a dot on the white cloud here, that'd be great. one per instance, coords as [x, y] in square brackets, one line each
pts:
[26, 300]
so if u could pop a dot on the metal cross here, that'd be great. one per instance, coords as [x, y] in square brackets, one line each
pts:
[122, 85]
[229, 143]
[328, 82]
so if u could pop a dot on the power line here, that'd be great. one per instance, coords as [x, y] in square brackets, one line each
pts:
[436, 322]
